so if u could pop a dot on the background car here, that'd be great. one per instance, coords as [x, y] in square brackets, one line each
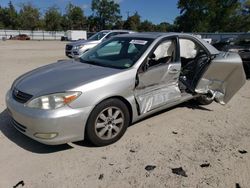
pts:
[119, 82]
[76, 49]
[223, 43]
[240, 45]
[20, 37]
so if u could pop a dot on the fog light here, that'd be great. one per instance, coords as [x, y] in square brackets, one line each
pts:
[46, 135]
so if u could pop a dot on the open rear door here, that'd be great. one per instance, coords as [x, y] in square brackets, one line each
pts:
[223, 78]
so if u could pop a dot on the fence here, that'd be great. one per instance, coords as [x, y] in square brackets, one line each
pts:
[34, 35]
[56, 35]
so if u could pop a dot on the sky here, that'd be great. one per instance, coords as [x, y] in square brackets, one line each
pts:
[156, 11]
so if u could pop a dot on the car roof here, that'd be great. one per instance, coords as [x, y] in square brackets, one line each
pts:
[155, 35]
[117, 30]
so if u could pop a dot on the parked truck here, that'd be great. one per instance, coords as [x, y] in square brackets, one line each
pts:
[73, 35]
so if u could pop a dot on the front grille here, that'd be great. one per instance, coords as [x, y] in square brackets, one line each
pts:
[20, 96]
[18, 126]
[69, 47]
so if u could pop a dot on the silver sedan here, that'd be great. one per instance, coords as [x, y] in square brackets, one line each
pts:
[119, 82]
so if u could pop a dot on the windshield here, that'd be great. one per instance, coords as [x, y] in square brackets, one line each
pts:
[118, 53]
[98, 36]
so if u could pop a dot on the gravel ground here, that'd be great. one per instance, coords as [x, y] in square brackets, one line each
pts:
[186, 146]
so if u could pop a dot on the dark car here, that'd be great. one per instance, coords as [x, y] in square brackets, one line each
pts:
[221, 44]
[241, 45]
[20, 37]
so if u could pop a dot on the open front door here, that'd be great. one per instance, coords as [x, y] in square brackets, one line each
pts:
[157, 78]
[223, 78]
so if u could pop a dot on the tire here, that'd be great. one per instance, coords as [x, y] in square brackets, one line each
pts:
[204, 100]
[108, 122]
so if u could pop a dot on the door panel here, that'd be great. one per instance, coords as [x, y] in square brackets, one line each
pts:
[158, 85]
[154, 97]
[159, 75]
[223, 78]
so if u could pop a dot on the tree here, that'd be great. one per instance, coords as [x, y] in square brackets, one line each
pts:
[245, 21]
[207, 15]
[29, 17]
[146, 26]
[74, 18]
[107, 13]
[118, 24]
[1, 17]
[165, 27]
[9, 17]
[246, 7]
[92, 23]
[52, 19]
[133, 22]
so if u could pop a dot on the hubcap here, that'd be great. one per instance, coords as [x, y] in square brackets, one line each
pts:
[109, 123]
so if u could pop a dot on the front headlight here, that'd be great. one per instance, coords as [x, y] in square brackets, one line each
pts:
[79, 47]
[53, 101]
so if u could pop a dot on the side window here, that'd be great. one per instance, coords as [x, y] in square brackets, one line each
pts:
[163, 54]
[121, 33]
[111, 35]
[112, 48]
[190, 49]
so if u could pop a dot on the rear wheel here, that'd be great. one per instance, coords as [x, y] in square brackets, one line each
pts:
[204, 100]
[108, 122]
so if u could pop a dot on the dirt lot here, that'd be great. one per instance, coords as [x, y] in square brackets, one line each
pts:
[186, 136]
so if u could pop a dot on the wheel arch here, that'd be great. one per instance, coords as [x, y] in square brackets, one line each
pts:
[124, 100]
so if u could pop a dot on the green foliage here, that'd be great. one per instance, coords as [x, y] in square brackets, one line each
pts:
[208, 15]
[146, 26]
[106, 12]
[74, 18]
[92, 23]
[53, 19]
[245, 24]
[9, 17]
[29, 17]
[133, 22]
[118, 24]
[195, 16]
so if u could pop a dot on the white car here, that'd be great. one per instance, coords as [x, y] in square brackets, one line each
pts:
[76, 49]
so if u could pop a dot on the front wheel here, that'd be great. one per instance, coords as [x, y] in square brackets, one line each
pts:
[107, 122]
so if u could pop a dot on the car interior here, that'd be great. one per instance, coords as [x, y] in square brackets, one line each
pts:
[120, 53]
[163, 54]
[194, 59]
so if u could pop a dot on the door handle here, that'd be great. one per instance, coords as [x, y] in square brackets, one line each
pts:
[173, 71]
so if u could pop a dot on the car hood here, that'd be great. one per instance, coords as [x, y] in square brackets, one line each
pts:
[61, 76]
[84, 42]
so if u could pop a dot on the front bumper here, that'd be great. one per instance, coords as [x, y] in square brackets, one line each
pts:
[73, 54]
[68, 124]
[68, 54]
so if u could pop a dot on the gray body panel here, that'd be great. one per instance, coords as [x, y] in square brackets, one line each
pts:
[61, 76]
[157, 89]
[224, 77]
